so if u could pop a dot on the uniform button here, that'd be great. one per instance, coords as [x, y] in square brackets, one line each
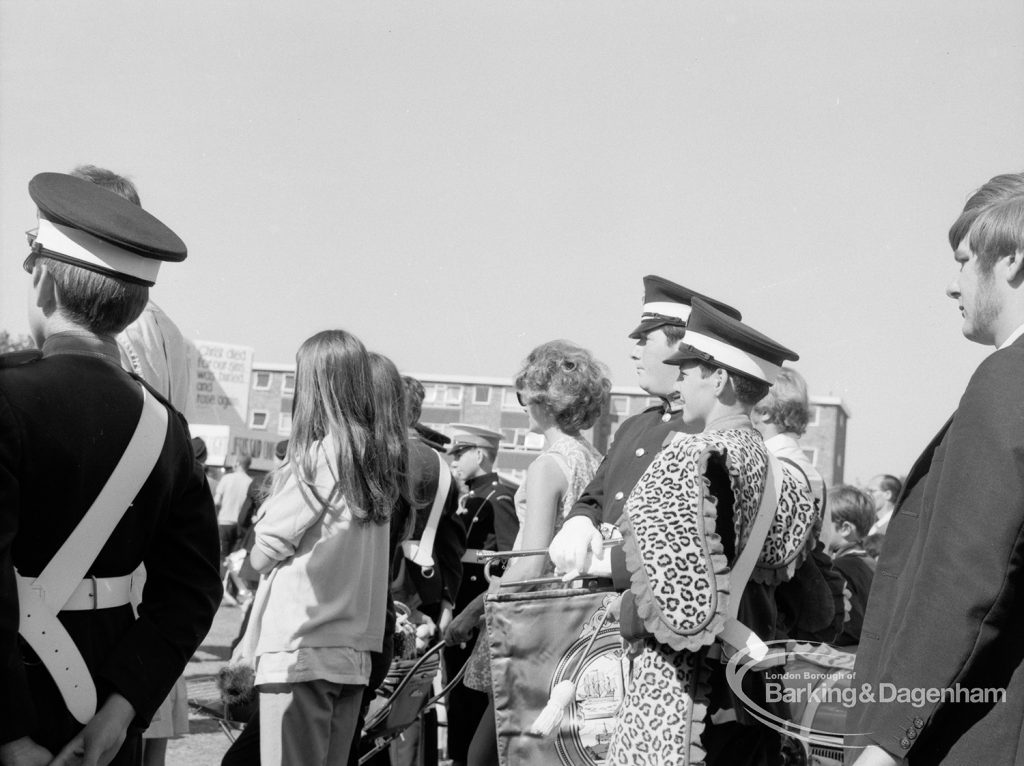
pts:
[911, 734]
[904, 743]
[640, 452]
[666, 417]
[472, 578]
[919, 723]
[619, 495]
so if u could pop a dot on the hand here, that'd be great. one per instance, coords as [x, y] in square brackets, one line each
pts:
[24, 752]
[873, 755]
[575, 544]
[460, 630]
[102, 737]
[445, 618]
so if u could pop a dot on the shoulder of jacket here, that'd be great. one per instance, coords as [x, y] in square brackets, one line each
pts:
[20, 358]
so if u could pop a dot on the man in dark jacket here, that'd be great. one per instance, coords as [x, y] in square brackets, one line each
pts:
[939, 670]
[78, 434]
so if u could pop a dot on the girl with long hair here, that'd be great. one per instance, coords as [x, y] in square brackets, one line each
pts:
[322, 546]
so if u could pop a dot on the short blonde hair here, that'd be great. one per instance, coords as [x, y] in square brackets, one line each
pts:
[786, 404]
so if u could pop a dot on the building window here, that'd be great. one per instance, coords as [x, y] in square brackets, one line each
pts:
[262, 382]
[258, 419]
[812, 455]
[815, 416]
[441, 395]
[288, 383]
[620, 405]
[284, 423]
[520, 439]
[509, 400]
[481, 394]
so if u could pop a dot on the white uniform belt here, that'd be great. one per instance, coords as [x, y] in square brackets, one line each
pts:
[470, 556]
[92, 593]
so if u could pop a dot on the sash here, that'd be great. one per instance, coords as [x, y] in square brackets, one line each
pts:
[40, 599]
[420, 552]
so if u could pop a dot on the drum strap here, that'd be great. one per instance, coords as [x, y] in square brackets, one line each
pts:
[41, 598]
[736, 634]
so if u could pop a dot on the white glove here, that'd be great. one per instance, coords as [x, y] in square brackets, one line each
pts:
[575, 545]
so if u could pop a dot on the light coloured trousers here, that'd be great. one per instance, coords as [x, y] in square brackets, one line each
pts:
[312, 723]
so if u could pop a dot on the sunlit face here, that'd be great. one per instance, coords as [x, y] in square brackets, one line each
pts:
[653, 375]
[973, 288]
[878, 495]
[697, 394]
[539, 416]
[466, 463]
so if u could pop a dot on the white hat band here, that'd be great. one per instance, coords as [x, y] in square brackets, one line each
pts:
[668, 309]
[81, 246]
[730, 356]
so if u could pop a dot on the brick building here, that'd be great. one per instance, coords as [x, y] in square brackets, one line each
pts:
[491, 402]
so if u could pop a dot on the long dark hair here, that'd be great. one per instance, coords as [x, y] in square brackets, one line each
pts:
[335, 397]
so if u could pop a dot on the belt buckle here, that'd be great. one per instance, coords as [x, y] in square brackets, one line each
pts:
[95, 593]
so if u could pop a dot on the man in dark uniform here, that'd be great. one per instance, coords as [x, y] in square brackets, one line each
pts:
[68, 414]
[437, 590]
[639, 438]
[488, 515]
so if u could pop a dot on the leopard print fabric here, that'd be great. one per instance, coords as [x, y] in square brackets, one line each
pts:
[680, 581]
[662, 715]
[679, 571]
[679, 575]
[793, 532]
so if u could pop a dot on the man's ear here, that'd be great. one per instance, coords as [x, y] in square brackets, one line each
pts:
[1014, 264]
[45, 289]
[720, 377]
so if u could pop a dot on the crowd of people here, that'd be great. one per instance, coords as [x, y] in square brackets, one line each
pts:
[722, 536]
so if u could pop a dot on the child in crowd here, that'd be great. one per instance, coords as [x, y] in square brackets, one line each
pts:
[853, 513]
[322, 545]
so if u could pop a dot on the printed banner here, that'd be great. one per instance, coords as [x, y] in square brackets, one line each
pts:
[220, 386]
[537, 640]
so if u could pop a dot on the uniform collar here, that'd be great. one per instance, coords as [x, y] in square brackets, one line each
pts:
[671, 406]
[484, 480]
[83, 343]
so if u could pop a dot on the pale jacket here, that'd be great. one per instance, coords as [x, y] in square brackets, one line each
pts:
[330, 588]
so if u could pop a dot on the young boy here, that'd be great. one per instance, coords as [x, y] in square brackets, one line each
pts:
[853, 513]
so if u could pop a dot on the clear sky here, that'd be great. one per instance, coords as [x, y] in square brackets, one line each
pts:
[456, 182]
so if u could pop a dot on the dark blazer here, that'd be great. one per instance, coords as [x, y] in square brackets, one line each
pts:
[637, 441]
[488, 515]
[64, 423]
[947, 603]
